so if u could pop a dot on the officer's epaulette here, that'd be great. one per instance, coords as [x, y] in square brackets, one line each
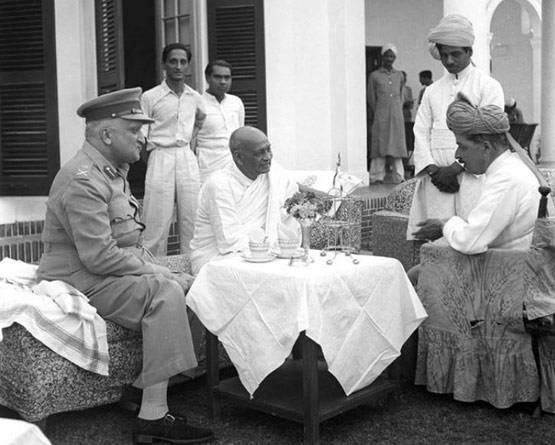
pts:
[82, 172]
[112, 174]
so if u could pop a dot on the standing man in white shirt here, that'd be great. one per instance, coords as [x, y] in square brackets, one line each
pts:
[172, 175]
[444, 189]
[224, 114]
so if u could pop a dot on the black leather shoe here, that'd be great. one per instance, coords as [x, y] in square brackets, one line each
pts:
[170, 428]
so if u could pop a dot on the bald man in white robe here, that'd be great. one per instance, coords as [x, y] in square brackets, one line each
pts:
[245, 196]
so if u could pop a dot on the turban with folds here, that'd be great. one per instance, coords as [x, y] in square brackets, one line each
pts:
[465, 118]
[389, 47]
[452, 30]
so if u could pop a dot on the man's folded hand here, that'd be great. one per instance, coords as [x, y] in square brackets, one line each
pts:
[430, 230]
[445, 178]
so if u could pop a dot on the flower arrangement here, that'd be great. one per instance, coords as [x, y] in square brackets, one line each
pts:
[304, 205]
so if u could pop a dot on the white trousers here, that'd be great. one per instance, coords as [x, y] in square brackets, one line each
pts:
[377, 168]
[172, 177]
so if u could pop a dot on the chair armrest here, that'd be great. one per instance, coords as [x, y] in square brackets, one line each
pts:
[389, 238]
[177, 263]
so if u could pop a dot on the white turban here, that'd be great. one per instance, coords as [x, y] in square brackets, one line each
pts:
[389, 47]
[452, 30]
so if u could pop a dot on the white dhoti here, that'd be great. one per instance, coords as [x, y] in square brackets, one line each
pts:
[428, 202]
[172, 177]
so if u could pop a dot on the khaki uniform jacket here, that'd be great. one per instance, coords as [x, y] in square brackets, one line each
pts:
[92, 227]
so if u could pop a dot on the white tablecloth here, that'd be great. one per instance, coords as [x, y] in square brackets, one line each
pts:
[18, 432]
[359, 314]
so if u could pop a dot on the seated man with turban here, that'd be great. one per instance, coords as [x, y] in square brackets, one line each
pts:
[444, 188]
[505, 213]
[244, 197]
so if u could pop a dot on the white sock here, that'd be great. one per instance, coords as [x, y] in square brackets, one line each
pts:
[154, 404]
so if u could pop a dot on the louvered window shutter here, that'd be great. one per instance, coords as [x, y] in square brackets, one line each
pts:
[236, 34]
[109, 45]
[29, 144]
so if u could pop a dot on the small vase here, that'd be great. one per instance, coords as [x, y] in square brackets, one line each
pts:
[306, 224]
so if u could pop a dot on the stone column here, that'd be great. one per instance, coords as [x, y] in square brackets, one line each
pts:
[547, 163]
[535, 42]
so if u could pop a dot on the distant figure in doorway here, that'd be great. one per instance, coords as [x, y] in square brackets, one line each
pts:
[425, 78]
[408, 101]
[514, 113]
[385, 87]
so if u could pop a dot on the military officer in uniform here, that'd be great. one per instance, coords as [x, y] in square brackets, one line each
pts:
[93, 240]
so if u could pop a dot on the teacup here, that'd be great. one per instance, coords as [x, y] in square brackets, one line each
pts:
[259, 249]
[288, 247]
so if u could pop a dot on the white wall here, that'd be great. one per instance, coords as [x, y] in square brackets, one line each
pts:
[405, 23]
[315, 83]
[512, 56]
[76, 73]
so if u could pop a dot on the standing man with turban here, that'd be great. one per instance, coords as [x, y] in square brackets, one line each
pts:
[506, 211]
[444, 188]
[385, 88]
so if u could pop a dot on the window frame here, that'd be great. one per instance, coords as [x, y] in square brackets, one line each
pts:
[193, 41]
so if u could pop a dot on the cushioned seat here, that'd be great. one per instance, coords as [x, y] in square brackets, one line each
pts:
[474, 343]
[36, 382]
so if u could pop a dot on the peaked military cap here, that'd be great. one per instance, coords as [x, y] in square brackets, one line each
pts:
[123, 104]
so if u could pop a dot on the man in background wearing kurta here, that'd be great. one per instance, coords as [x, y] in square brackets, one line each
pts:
[224, 114]
[245, 196]
[444, 189]
[93, 241]
[385, 87]
[172, 175]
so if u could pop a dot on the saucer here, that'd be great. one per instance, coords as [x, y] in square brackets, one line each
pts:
[263, 259]
[299, 253]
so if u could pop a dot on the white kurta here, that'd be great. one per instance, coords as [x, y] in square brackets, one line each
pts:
[232, 205]
[505, 214]
[434, 143]
[222, 118]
